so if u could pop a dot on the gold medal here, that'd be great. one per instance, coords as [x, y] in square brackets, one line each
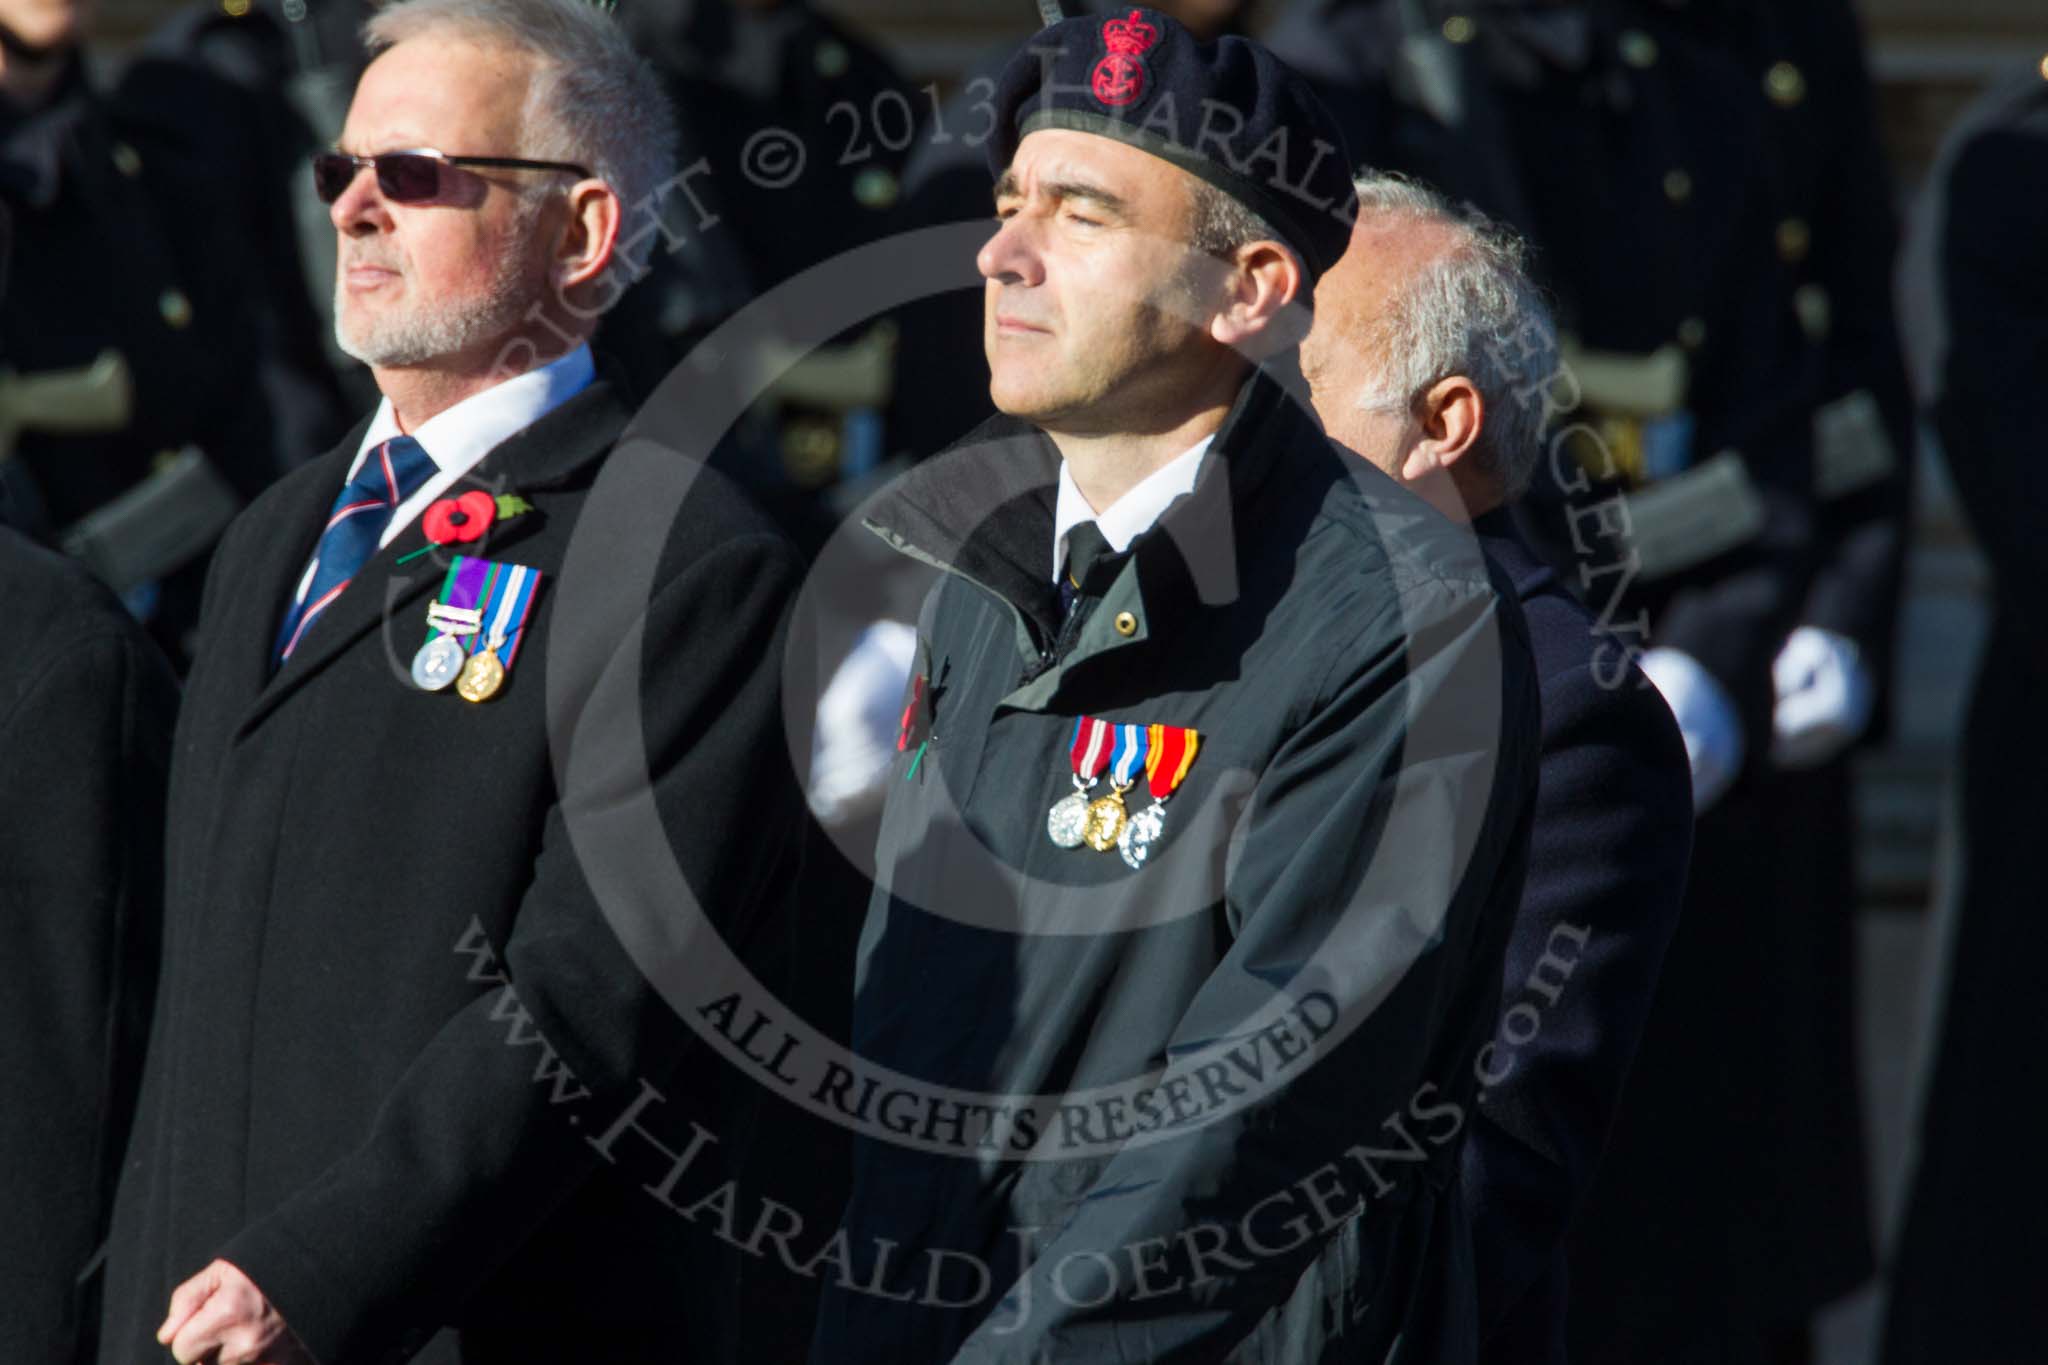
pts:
[481, 677]
[1105, 820]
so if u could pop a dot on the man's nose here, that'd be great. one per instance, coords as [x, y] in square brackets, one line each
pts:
[1012, 256]
[360, 208]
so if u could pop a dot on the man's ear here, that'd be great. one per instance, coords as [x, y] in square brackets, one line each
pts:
[590, 235]
[1450, 414]
[1261, 280]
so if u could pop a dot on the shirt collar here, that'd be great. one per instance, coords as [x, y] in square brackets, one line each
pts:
[1131, 515]
[460, 437]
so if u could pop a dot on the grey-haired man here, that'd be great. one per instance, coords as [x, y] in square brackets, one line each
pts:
[393, 1008]
[1428, 346]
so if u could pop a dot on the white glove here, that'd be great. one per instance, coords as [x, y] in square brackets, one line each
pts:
[858, 715]
[1706, 717]
[1825, 698]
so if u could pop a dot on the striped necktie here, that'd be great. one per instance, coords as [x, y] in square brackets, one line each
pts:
[393, 472]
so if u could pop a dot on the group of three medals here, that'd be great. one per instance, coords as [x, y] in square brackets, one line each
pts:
[1161, 753]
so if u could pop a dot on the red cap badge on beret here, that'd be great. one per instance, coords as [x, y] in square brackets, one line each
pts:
[1119, 78]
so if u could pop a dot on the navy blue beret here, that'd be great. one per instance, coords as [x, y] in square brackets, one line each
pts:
[1230, 112]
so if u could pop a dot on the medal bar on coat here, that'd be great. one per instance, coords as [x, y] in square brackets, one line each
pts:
[1067, 822]
[1169, 753]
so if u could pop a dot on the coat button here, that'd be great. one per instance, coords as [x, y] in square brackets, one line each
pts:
[1126, 624]
[127, 160]
[1692, 333]
[176, 309]
[1459, 28]
[875, 188]
[1794, 239]
[1677, 186]
[1785, 84]
[1638, 49]
[1816, 311]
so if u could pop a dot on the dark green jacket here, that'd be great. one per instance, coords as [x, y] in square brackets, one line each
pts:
[1314, 946]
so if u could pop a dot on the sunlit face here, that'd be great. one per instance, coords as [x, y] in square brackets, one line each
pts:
[1342, 357]
[44, 25]
[1096, 307]
[447, 281]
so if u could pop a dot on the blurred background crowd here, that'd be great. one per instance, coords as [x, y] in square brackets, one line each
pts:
[1800, 250]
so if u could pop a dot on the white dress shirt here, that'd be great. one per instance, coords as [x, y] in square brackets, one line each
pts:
[1131, 515]
[456, 440]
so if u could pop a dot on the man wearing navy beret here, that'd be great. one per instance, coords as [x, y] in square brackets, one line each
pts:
[1214, 788]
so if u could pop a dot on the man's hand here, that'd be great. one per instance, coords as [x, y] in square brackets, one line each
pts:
[1825, 698]
[220, 1317]
[1706, 718]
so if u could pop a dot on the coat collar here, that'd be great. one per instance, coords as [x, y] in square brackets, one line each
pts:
[1503, 544]
[33, 141]
[552, 453]
[984, 510]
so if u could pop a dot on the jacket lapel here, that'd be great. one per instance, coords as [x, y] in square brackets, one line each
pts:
[236, 649]
[541, 457]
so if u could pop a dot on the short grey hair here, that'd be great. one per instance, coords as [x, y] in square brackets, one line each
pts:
[1223, 223]
[1471, 311]
[595, 101]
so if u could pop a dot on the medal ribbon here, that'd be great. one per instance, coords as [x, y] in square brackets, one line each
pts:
[1172, 753]
[506, 608]
[1090, 749]
[460, 589]
[1129, 759]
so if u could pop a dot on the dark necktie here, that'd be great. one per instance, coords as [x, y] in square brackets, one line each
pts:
[1088, 557]
[393, 472]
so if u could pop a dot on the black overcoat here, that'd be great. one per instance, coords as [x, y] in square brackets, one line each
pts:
[1607, 867]
[86, 707]
[1960, 1277]
[1353, 828]
[393, 1005]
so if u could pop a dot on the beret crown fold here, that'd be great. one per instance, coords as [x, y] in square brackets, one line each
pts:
[1229, 112]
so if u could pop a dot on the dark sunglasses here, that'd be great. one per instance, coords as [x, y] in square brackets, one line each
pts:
[411, 177]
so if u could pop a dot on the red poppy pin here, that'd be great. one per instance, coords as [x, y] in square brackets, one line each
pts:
[463, 520]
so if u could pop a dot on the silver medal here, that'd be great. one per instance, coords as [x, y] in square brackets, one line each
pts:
[1140, 832]
[438, 663]
[1067, 822]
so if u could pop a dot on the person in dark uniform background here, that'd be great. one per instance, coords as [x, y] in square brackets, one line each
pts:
[137, 318]
[795, 134]
[1414, 319]
[1836, 236]
[1632, 143]
[86, 706]
[1016, 949]
[1964, 1271]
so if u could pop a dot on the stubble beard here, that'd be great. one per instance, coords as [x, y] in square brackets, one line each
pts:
[419, 334]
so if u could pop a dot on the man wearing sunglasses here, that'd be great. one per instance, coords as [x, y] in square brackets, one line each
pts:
[393, 1010]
